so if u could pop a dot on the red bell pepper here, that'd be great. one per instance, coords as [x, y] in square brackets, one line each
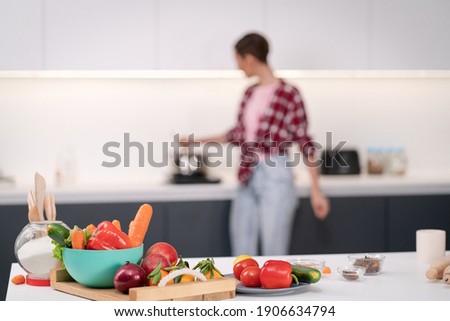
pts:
[108, 237]
[276, 274]
[105, 224]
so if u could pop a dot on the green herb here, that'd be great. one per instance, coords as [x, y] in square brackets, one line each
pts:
[57, 252]
[87, 235]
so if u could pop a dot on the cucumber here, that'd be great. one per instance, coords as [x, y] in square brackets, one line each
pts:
[58, 233]
[306, 274]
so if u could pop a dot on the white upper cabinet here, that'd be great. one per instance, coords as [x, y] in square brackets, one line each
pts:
[411, 34]
[200, 34]
[101, 34]
[21, 35]
[319, 34]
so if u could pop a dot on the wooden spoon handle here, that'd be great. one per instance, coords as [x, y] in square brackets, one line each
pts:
[33, 215]
[48, 207]
[53, 207]
[31, 200]
[40, 187]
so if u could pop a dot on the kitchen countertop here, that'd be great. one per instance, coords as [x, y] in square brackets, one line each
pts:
[160, 191]
[402, 278]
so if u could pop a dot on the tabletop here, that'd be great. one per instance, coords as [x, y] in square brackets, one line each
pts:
[402, 278]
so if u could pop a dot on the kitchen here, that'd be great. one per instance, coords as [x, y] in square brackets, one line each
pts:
[77, 75]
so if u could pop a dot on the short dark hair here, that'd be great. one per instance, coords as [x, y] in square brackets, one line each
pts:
[253, 44]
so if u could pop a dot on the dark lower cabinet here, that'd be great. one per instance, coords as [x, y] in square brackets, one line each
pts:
[14, 218]
[408, 214]
[353, 225]
[200, 228]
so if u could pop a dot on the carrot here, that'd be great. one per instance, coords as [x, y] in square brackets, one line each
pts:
[139, 226]
[18, 279]
[91, 228]
[131, 226]
[77, 238]
[116, 223]
[326, 270]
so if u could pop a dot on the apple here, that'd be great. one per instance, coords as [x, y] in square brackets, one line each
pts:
[166, 250]
[150, 262]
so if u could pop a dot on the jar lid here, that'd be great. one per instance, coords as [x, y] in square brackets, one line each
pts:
[37, 282]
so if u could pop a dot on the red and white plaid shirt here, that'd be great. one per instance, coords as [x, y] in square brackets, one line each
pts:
[283, 123]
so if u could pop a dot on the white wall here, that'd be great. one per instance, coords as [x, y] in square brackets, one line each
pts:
[42, 118]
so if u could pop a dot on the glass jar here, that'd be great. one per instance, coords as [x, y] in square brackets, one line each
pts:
[375, 161]
[34, 252]
[397, 161]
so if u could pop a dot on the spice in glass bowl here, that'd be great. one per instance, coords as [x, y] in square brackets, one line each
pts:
[372, 263]
[351, 273]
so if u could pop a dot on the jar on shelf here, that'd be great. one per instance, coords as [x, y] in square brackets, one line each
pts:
[375, 161]
[34, 252]
[397, 161]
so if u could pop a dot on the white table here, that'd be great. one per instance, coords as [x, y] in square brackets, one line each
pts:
[402, 278]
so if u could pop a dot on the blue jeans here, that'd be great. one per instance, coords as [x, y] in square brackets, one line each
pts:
[264, 210]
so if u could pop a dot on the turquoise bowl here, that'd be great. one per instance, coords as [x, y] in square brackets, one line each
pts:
[96, 268]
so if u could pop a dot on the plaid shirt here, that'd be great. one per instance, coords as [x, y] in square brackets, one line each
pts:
[283, 123]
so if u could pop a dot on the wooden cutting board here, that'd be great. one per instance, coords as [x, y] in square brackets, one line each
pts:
[211, 290]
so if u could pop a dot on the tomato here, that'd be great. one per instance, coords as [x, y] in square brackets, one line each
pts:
[250, 276]
[241, 265]
[240, 258]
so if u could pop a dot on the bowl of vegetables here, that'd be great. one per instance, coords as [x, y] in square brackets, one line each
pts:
[96, 268]
[93, 255]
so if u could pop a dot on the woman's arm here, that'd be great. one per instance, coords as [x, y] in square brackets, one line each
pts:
[319, 202]
[184, 141]
[217, 138]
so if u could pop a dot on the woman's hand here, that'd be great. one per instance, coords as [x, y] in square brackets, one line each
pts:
[184, 141]
[320, 204]
[189, 140]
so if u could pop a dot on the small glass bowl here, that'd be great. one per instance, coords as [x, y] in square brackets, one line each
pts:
[316, 264]
[373, 263]
[351, 273]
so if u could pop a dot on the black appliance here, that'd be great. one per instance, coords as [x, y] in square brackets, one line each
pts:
[342, 162]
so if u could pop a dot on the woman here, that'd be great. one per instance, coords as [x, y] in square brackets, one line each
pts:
[271, 114]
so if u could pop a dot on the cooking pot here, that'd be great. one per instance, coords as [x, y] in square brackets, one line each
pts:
[342, 162]
[189, 164]
[190, 168]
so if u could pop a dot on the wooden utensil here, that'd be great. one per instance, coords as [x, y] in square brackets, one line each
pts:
[33, 214]
[31, 201]
[52, 201]
[48, 207]
[40, 187]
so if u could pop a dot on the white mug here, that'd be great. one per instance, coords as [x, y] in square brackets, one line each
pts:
[430, 245]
